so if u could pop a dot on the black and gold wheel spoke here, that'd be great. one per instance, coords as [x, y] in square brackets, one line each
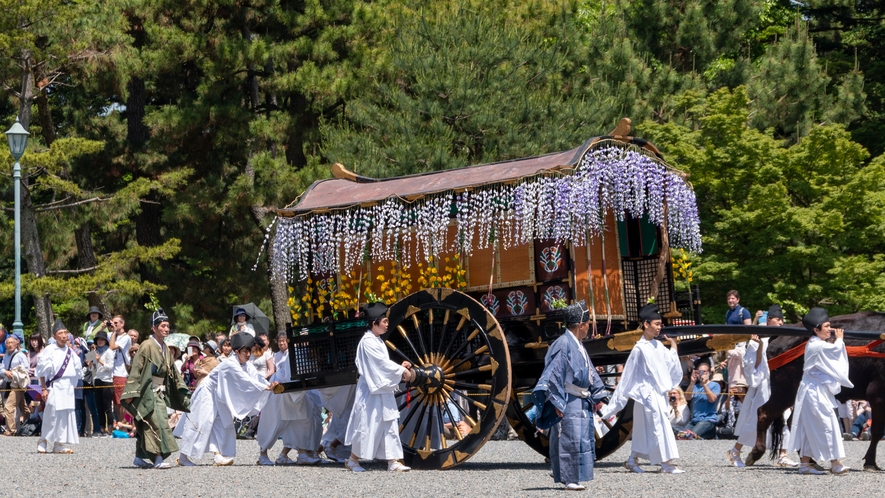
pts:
[458, 348]
[455, 334]
[405, 336]
[476, 352]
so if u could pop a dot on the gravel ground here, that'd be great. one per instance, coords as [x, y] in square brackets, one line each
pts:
[501, 468]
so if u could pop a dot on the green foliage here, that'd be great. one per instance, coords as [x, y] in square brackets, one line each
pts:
[246, 104]
[467, 85]
[799, 222]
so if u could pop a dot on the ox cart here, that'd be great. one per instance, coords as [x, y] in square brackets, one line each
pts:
[474, 264]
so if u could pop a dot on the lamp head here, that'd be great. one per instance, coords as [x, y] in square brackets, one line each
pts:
[18, 139]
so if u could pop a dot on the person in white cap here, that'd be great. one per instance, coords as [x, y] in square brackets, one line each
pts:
[650, 373]
[58, 369]
[815, 432]
[373, 428]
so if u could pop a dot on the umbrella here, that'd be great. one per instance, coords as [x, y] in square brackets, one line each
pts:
[260, 322]
[178, 340]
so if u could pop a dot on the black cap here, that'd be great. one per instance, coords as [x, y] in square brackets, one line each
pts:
[240, 341]
[94, 309]
[241, 311]
[101, 335]
[375, 311]
[649, 312]
[775, 311]
[815, 318]
[58, 325]
[158, 317]
[577, 313]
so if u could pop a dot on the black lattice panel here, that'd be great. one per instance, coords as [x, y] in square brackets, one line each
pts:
[345, 346]
[639, 275]
[313, 355]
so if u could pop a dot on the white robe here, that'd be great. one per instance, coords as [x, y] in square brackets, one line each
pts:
[339, 402]
[229, 391]
[373, 429]
[59, 418]
[758, 393]
[816, 431]
[651, 371]
[288, 415]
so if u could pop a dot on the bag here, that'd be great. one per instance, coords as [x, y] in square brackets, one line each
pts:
[30, 428]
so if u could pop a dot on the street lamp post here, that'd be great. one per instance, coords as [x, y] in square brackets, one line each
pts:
[18, 140]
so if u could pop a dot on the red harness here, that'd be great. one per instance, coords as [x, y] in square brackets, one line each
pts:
[853, 351]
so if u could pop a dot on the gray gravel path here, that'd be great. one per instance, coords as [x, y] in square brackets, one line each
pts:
[501, 468]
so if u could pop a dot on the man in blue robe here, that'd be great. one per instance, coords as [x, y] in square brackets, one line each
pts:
[572, 388]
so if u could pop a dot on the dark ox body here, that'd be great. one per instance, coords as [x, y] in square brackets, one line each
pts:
[867, 375]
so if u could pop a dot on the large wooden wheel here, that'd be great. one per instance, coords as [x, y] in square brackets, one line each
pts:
[521, 404]
[458, 349]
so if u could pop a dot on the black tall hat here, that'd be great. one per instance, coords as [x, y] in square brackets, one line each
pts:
[775, 311]
[649, 312]
[815, 318]
[240, 341]
[94, 309]
[375, 311]
[158, 317]
[58, 325]
[577, 313]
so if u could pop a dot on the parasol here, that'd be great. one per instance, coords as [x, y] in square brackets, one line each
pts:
[178, 340]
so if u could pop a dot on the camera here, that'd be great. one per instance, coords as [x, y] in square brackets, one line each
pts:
[672, 399]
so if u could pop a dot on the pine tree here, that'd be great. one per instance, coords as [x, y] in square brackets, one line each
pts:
[468, 85]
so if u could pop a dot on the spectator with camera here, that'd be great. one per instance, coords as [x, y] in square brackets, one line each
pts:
[102, 365]
[680, 413]
[704, 397]
[120, 343]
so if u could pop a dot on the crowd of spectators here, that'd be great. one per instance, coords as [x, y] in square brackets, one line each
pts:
[106, 349]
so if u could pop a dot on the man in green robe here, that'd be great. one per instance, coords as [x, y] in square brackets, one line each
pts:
[154, 383]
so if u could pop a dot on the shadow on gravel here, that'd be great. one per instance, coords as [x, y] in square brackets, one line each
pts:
[501, 466]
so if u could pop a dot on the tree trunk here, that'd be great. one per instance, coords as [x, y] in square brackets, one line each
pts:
[86, 259]
[30, 236]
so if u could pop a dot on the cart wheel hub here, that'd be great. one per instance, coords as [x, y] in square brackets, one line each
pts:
[429, 379]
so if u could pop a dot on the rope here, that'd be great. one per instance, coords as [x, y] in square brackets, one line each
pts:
[853, 352]
[36, 387]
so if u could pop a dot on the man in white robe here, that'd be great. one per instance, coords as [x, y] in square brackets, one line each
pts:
[232, 390]
[291, 416]
[58, 369]
[758, 378]
[650, 373]
[816, 432]
[373, 428]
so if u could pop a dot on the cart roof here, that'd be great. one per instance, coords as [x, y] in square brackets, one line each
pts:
[349, 189]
